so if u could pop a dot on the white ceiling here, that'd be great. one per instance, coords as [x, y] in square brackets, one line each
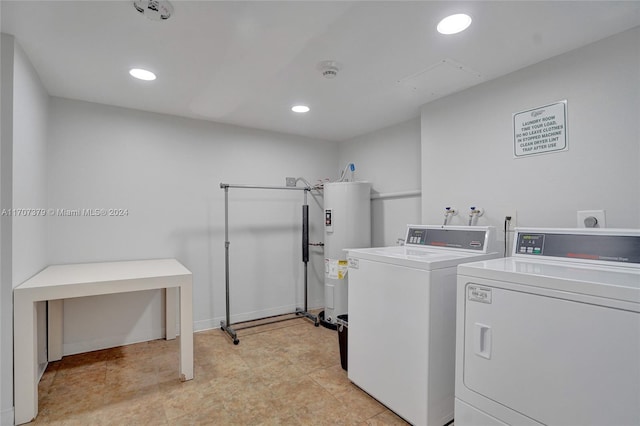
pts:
[247, 63]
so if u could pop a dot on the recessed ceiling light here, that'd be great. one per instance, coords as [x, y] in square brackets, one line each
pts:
[300, 108]
[454, 24]
[141, 74]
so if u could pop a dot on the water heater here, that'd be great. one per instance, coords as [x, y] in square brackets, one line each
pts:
[347, 224]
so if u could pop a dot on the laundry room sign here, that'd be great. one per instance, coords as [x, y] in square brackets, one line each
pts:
[540, 130]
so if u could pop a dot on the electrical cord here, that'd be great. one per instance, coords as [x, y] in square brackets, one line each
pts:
[507, 222]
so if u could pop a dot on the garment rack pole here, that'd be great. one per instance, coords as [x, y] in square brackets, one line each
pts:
[293, 188]
[225, 325]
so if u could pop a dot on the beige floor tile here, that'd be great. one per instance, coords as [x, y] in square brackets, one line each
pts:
[207, 416]
[284, 369]
[333, 379]
[327, 410]
[357, 401]
[386, 418]
[137, 411]
[283, 373]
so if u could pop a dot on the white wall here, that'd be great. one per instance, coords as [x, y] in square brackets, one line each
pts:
[30, 126]
[390, 159]
[467, 142]
[30, 111]
[6, 203]
[166, 171]
[24, 139]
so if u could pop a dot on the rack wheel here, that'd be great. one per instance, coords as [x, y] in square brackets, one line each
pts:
[317, 324]
[236, 341]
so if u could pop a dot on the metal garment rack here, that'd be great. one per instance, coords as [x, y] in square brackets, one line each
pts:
[226, 325]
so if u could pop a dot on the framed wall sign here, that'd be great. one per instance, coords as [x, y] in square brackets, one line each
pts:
[540, 130]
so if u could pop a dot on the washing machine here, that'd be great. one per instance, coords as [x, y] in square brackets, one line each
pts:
[551, 335]
[402, 318]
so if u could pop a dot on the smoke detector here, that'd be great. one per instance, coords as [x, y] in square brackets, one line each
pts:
[329, 69]
[156, 10]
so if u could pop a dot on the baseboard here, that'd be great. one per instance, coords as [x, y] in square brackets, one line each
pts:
[111, 342]
[202, 325]
[213, 323]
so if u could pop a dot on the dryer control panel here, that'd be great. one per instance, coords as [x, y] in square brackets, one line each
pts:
[586, 245]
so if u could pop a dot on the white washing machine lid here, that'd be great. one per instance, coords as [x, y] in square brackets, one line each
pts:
[612, 282]
[432, 247]
[418, 258]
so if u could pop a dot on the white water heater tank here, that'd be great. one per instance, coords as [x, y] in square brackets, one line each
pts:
[347, 224]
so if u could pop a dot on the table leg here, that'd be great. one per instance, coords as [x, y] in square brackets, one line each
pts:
[170, 298]
[25, 358]
[186, 331]
[55, 313]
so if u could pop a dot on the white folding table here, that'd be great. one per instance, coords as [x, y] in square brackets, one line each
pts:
[58, 282]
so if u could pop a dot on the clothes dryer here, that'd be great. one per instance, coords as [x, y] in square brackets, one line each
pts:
[551, 335]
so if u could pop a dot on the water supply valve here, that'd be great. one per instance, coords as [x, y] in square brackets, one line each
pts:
[474, 214]
[449, 212]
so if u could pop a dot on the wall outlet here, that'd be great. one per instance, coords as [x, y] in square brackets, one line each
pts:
[291, 181]
[591, 219]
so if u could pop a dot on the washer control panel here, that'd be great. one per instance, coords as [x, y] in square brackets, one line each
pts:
[458, 237]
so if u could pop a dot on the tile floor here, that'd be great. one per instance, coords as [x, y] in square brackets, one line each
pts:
[285, 373]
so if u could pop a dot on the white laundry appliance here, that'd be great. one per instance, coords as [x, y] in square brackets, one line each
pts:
[402, 318]
[551, 335]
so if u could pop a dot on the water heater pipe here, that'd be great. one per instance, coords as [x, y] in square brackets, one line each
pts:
[403, 194]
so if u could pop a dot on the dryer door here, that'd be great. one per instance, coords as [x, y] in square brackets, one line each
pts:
[556, 361]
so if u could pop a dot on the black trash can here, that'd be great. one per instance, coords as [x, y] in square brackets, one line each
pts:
[343, 333]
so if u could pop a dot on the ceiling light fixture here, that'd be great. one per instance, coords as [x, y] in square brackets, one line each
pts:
[454, 24]
[300, 108]
[141, 74]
